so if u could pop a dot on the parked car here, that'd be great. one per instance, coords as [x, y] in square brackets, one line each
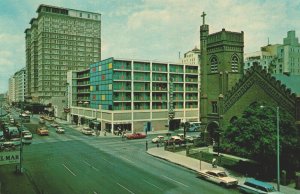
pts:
[175, 140]
[26, 134]
[1, 135]
[87, 131]
[16, 141]
[60, 130]
[219, 177]
[42, 121]
[54, 125]
[193, 128]
[189, 139]
[42, 131]
[136, 136]
[158, 139]
[254, 186]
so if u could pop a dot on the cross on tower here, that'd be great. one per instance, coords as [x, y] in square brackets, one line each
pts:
[203, 15]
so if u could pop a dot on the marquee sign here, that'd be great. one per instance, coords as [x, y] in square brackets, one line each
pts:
[9, 157]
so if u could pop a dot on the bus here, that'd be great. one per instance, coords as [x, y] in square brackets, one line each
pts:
[25, 118]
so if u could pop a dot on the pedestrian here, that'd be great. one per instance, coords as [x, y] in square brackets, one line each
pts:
[104, 132]
[146, 145]
[214, 161]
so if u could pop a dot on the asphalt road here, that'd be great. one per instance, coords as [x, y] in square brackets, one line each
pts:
[76, 163]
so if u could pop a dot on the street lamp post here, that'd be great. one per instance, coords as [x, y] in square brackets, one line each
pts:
[278, 161]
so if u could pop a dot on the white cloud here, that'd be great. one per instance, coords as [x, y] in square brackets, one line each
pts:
[155, 29]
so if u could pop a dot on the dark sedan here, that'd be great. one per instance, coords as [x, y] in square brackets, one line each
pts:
[136, 136]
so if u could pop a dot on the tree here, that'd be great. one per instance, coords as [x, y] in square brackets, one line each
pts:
[254, 136]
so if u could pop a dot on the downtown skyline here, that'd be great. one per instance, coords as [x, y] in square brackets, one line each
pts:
[152, 30]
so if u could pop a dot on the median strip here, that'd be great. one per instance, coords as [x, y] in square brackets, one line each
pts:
[175, 181]
[69, 170]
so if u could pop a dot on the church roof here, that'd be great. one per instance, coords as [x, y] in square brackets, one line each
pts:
[292, 82]
[283, 94]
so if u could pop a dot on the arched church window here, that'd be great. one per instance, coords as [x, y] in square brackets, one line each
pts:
[214, 65]
[234, 64]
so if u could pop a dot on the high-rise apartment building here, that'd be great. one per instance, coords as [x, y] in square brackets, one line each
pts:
[59, 40]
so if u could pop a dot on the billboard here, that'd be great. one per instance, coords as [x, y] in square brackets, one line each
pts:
[9, 157]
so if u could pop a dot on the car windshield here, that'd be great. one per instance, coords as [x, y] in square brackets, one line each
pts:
[222, 174]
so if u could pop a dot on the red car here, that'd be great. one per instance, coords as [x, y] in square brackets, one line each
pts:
[136, 136]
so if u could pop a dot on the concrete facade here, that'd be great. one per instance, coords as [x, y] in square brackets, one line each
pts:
[59, 40]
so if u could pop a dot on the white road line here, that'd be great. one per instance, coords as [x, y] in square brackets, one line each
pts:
[175, 181]
[125, 188]
[153, 185]
[91, 165]
[69, 170]
[127, 159]
[107, 161]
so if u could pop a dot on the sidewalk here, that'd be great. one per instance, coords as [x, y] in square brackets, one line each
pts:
[181, 159]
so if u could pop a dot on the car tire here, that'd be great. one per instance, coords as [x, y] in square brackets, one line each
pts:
[223, 184]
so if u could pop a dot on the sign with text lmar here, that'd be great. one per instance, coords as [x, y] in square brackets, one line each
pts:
[10, 157]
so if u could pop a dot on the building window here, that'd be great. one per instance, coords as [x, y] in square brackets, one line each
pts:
[214, 65]
[234, 64]
[214, 106]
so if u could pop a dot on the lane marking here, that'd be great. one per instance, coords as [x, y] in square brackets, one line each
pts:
[153, 185]
[125, 188]
[175, 181]
[127, 159]
[107, 161]
[91, 165]
[69, 170]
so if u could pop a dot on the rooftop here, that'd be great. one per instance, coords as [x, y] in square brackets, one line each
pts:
[291, 82]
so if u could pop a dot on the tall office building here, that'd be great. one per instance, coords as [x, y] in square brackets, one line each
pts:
[59, 39]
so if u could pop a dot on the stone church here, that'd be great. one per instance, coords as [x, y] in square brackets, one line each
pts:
[226, 91]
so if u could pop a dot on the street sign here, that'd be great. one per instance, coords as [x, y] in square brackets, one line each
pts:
[9, 157]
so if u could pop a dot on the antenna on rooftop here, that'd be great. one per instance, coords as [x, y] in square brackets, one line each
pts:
[268, 41]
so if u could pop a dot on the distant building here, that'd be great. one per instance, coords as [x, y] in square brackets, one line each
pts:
[278, 58]
[288, 55]
[266, 58]
[135, 94]
[59, 40]
[11, 90]
[20, 85]
[191, 57]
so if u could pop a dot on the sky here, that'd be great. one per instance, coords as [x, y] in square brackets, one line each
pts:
[152, 29]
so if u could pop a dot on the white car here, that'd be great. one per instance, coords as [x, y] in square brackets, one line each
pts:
[27, 135]
[87, 131]
[60, 130]
[158, 139]
[219, 177]
[54, 125]
[189, 139]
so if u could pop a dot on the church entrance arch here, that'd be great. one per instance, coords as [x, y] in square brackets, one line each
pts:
[212, 130]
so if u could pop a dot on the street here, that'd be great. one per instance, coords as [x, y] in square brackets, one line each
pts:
[75, 163]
